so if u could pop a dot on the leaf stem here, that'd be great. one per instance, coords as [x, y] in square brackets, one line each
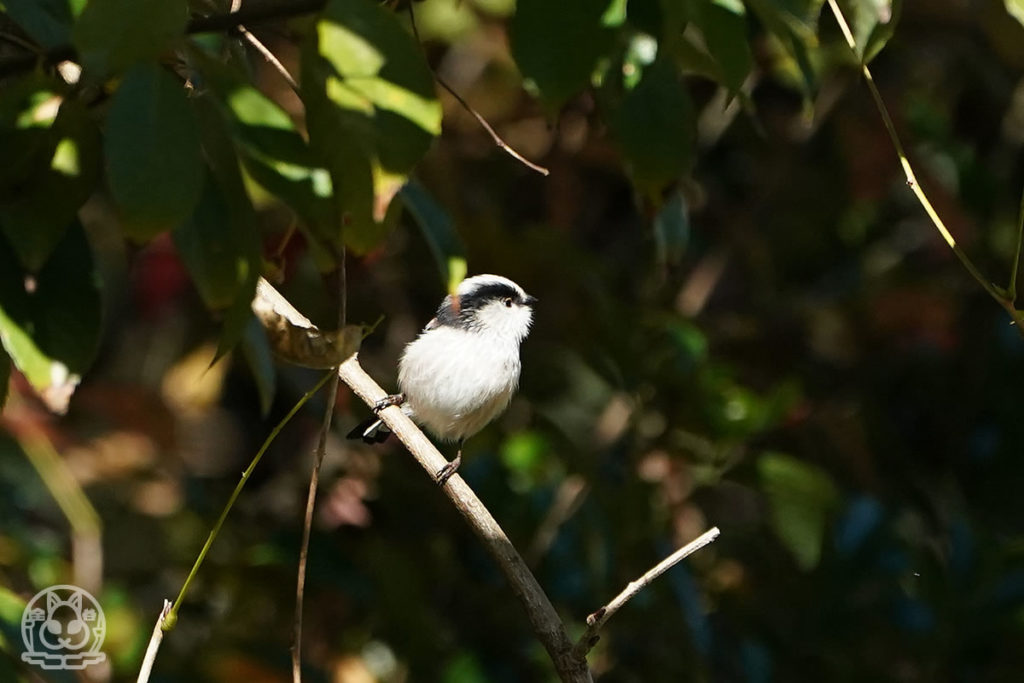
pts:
[171, 618]
[1002, 299]
[1016, 255]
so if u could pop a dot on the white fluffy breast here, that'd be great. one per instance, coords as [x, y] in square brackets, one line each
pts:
[456, 381]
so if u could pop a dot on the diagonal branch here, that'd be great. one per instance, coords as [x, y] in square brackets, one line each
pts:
[547, 626]
[599, 618]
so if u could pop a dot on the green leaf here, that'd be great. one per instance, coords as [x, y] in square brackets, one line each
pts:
[111, 35]
[439, 231]
[558, 44]
[725, 33]
[260, 359]
[655, 128]
[153, 153]
[215, 250]
[801, 497]
[273, 152]
[50, 321]
[48, 22]
[372, 111]
[794, 25]
[1015, 8]
[57, 170]
[221, 240]
[872, 23]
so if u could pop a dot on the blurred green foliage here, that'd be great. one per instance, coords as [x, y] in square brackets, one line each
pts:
[745, 320]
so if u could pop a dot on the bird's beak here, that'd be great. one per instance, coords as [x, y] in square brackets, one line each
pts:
[529, 300]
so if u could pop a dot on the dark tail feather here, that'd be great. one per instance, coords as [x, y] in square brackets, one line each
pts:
[371, 430]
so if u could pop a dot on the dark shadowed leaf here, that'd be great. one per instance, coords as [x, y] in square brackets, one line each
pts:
[801, 497]
[57, 168]
[216, 253]
[372, 111]
[725, 32]
[444, 242]
[872, 23]
[111, 35]
[557, 45]
[258, 355]
[794, 25]
[50, 321]
[220, 243]
[153, 152]
[655, 128]
[47, 21]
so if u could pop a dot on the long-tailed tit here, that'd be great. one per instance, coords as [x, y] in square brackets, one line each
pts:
[463, 369]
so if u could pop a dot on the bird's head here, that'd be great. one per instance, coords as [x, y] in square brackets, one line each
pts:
[489, 304]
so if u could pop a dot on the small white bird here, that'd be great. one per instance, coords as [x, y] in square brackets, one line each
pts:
[463, 369]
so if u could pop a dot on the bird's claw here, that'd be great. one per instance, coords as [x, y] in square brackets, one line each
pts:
[446, 472]
[388, 401]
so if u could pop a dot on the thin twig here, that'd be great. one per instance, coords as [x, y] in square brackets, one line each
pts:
[547, 626]
[85, 523]
[314, 483]
[599, 618]
[236, 6]
[1016, 255]
[307, 528]
[172, 617]
[498, 140]
[154, 644]
[1002, 299]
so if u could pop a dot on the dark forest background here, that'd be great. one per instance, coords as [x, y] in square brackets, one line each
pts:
[746, 320]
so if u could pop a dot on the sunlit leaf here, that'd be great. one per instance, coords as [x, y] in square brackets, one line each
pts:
[439, 232]
[801, 497]
[273, 152]
[557, 45]
[655, 128]
[153, 153]
[50, 321]
[111, 35]
[1015, 8]
[372, 110]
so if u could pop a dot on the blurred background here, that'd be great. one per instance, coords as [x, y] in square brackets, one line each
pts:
[779, 344]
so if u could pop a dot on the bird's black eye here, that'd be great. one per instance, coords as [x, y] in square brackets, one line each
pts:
[507, 301]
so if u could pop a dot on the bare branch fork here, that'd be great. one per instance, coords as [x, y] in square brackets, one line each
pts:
[599, 618]
[570, 660]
